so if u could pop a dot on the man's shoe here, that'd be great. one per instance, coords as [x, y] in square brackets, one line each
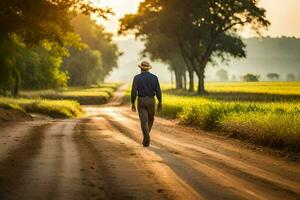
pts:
[146, 145]
[146, 142]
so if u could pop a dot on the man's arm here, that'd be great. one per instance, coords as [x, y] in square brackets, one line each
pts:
[158, 94]
[133, 93]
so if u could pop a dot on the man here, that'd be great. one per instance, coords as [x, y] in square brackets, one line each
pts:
[146, 86]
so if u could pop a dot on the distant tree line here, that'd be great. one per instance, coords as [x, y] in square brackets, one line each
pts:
[188, 35]
[271, 76]
[223, 76]
[36, 37]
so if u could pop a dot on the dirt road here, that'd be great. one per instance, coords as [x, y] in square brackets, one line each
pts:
[100, 157]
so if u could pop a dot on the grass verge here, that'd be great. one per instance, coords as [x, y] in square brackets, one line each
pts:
[272, 124]
[52, 108]
[94, 95]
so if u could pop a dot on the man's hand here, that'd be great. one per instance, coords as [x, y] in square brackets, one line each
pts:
[159, 107]
[133, 109]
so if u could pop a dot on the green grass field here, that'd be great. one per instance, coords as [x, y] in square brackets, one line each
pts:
[63, 103]
[242, 91]
[52, 108]
[269, 116]
[85, 96]
[279, 88]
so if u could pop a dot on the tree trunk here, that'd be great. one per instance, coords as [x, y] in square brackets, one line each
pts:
[16, 84]
[197, 60]
[178, 78]
[189, 64]
[201, 76]
[190, 71]
[184, 80]
[201, 88]
[172, 79]
[191, 80]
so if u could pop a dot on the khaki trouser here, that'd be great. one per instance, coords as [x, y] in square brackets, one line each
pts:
[146, 109]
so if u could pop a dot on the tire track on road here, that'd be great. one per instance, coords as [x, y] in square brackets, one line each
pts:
[14, 165]
[251, 182]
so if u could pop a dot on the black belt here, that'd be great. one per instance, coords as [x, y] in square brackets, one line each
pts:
[146, 96]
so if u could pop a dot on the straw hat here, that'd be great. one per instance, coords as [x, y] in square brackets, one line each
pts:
[145, 65]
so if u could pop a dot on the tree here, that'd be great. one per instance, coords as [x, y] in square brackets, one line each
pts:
[291, 77]
[10, 53]
[34, 22]
[92, 64]
[42, 67]
[160, 48]
[233, 78]
[204, 30]
[251, 78]
[273, 76]
[222, 74]
[97, 38]
[37, 67]
[84, 67]
[44, 19]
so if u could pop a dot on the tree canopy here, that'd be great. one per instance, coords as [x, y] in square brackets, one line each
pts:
[273, 76]
[161, 48]
[202, 29]
[93, 63]
[251, 78]
[222, 74]
[33, 37]
[36, 20]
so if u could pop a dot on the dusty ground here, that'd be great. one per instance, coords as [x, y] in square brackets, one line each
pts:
[100, 157]
[8, 115]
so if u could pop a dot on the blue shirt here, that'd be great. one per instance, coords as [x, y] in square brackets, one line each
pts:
[145, 84]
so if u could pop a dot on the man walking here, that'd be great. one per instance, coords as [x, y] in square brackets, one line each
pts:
[146, 85]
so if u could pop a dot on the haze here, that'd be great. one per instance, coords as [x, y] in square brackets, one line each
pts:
[284, 16]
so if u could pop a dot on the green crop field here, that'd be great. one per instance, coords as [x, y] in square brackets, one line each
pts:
[84, 95]
[279, 88]
[242, 91]
[263, 113]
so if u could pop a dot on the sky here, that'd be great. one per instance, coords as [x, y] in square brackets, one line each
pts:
[284, 15]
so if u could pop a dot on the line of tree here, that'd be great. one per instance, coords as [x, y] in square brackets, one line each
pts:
[200, 31]
[37, 36]
[222, 74]
[291, 77]
[93, 63]
[251, 78]
[273, 76]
